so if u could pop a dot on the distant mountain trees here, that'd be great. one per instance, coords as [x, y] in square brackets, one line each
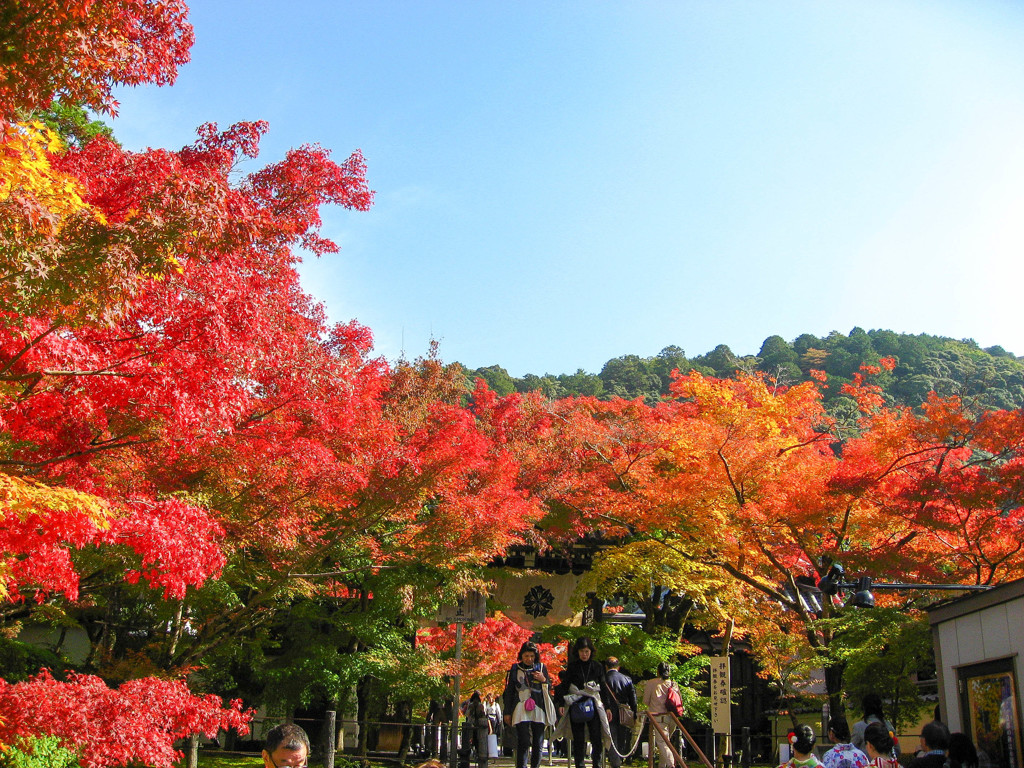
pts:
[991, 378]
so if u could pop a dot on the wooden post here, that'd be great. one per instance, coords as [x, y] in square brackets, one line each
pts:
[330, 738]
[692, 743]
[453, 757]
[193, 751]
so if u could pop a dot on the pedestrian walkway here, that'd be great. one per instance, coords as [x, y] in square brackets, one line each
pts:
[508, 761]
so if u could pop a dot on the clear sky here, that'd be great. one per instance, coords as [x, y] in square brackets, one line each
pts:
[561, 183]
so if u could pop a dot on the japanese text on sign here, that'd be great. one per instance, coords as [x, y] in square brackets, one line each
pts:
[721, 714]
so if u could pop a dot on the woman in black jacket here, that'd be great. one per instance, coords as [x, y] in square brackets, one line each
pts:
[584, 668]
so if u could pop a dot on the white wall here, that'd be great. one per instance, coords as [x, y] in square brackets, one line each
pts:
[991, 633]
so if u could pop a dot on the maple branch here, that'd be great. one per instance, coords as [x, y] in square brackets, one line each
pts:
[993, 458]
[738, 492]
[775, 562]
[105, 446]
[329, 574]
[945, 454]
[27, 347]
[35, 377]
[263, 414]
[40, 374]
[608, 462]
[732, 571]
[628, 526]
[797, 536]
[904, 461]
[844, 527]
[31, 384]
[12, 275]
[816, 439]
[122, 339]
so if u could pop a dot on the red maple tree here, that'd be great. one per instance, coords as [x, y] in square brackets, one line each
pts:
[78, 49]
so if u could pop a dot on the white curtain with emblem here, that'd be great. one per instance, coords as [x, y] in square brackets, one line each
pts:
[535, 600]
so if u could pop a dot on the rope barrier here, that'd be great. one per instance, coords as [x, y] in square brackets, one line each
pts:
[639, 734]
[614, 746]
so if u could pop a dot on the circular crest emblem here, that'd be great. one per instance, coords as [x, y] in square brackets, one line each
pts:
[538, 601]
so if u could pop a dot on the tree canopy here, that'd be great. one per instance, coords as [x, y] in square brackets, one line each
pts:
[232, 497]
[991, 378]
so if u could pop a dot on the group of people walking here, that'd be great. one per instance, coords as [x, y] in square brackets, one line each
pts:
[592, 703]
[595, 703]
[872, 743]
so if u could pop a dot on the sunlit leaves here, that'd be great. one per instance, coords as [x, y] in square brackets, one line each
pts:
[489, 649]
[79, 49]
[140, 721]
[34, 196]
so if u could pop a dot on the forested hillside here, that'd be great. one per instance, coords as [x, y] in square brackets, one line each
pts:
[991, 377]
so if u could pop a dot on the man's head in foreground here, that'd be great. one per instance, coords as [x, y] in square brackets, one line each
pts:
[287, 746]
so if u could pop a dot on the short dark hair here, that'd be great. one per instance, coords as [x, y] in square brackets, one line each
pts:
[803, 741]
[287, 735]
[664, 670]
[877, 735]
[529, 647]
[611, 662]
[936, 735]
[840, 728]
[581, 643]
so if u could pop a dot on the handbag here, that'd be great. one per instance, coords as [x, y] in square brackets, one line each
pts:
[582, 710]
[673, 701]
[626, 716]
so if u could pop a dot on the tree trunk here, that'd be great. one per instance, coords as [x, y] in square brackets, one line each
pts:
[193, 751]
[362, 714]
[403, 710]
[834, 688]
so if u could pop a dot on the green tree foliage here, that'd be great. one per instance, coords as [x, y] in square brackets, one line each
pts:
[721, 360]
[20, 660]
[884, 651]
[74, 124]
[640, 652]
[547, 384]
[42, 752]
[581, 384]
[990, 378]
[779, 359]
[497, 379]
[628, 377]
[806, 341]
[671, 358]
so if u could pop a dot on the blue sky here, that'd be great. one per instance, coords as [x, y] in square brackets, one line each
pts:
[562, 183]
